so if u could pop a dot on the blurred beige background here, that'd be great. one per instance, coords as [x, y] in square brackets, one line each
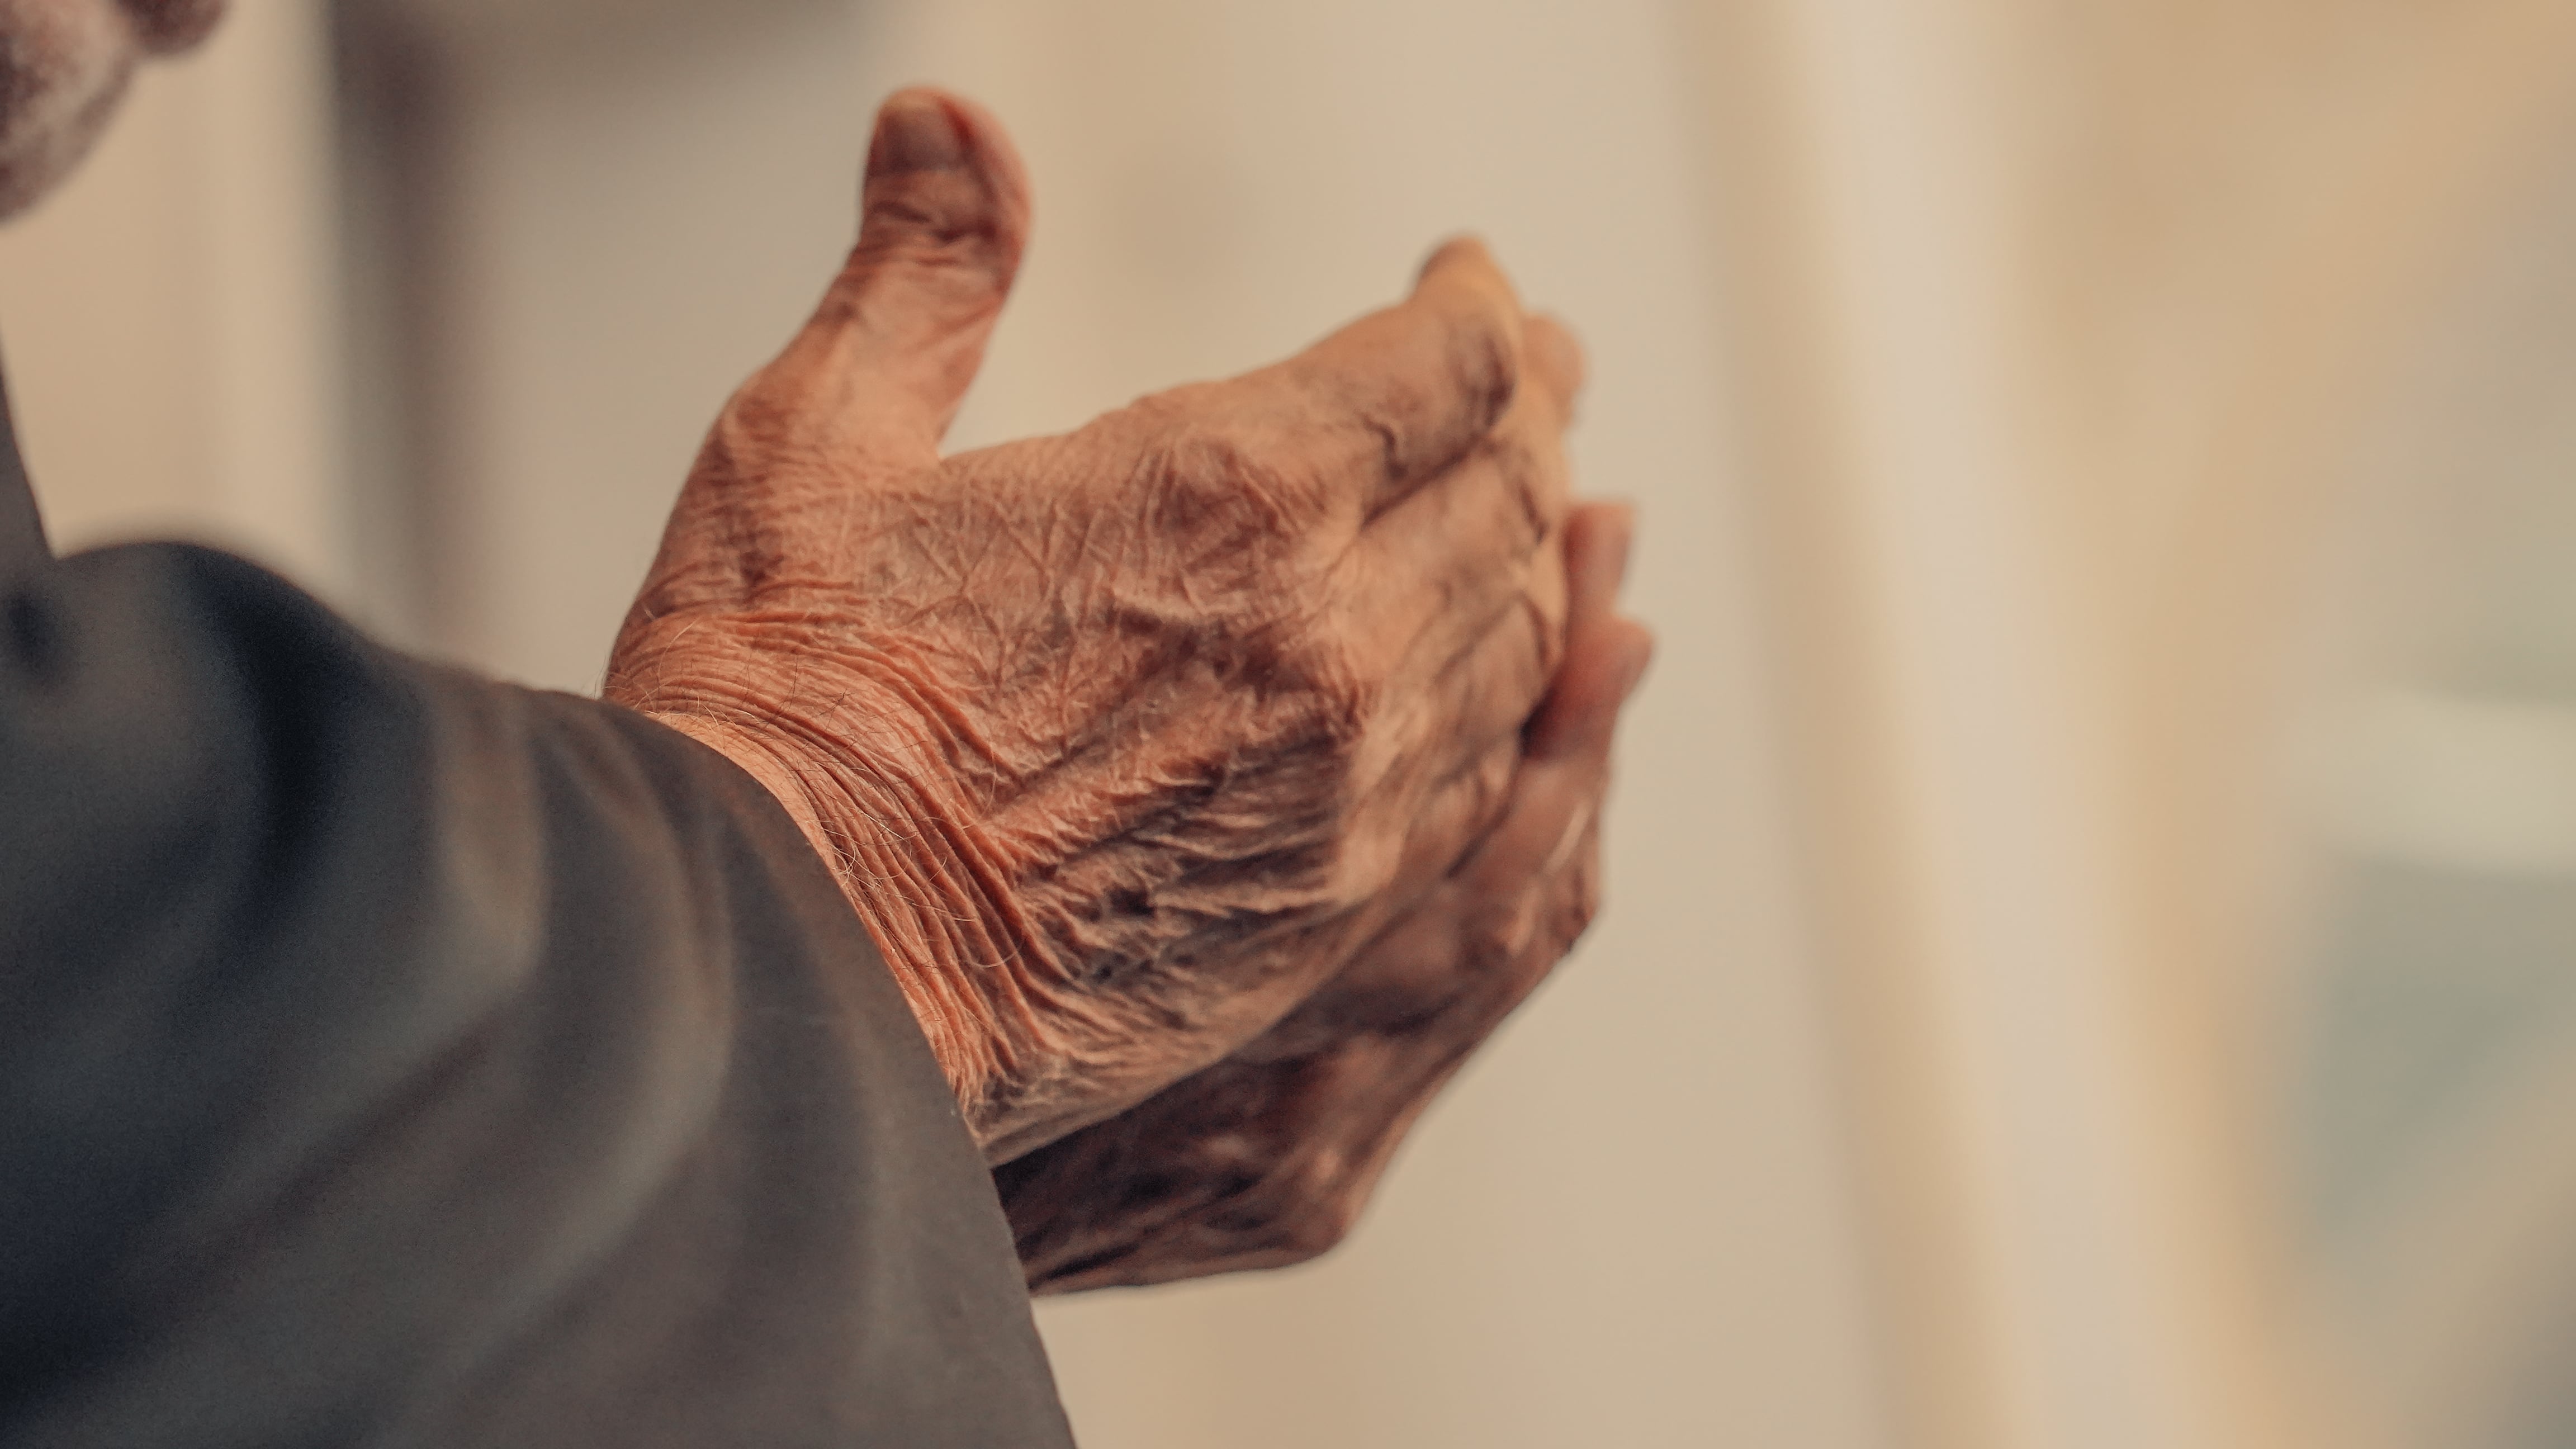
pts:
[2092, 953]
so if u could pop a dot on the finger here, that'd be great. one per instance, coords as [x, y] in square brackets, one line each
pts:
[945, 216]
[1391, 400]
[1605, 654]
[1469, 641]
[1331, 1089]
[1488, 692]
[1431, 578]
[1373, 986]
[1447, 713]
[1557, 912]
[1556, 788]
[1443, 825]
[1449, 555]
[1554, 362]
[1277, 1156]
[1582, 706]
[1499, 921]
[1487, 932]
[1550, 810]
[1598, 539]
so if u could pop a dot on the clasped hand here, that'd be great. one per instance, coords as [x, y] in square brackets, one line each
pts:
[1198, 771]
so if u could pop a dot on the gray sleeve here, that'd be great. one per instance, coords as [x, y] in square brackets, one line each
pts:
[389, 1056]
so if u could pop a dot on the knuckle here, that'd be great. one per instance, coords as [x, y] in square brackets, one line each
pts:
[1576, 915]
[1318, 696]
[1236, 457]
[1315, 1211]
[1229, 493]
[1489, 788]
[1517, 658]
[1545, 617]
[1270, 836]
[1362, 865]
[1547, 651]
[940, 220]
[782, 417]
[1557, 354]
[1173, 410]
[1573, 902]
[1310, 1238]
[1533, 494]
[761, 412]
[1284, 800]
[1492, 938]
[1268, 1211]
[1582, 905]
[1347, 695]
[915, 227]
[1484, 364]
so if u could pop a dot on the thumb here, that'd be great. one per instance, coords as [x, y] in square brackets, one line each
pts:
[945, 213]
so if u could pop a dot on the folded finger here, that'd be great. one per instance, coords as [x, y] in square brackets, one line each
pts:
[1380, 986]
[1502, 858]
[1554, 363]
[1389, 401]
[1432, 576]
[1566, 767]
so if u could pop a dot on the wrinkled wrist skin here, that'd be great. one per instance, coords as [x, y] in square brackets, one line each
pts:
[916, 875]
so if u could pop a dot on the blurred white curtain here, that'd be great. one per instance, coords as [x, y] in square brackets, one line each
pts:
[2091, 329]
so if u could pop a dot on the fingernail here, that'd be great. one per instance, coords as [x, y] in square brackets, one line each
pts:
[916, 132]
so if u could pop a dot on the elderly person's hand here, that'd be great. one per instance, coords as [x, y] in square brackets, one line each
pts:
[1267, 1157]
[1120, 742]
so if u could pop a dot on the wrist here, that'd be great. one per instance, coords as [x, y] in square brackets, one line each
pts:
[922, 883]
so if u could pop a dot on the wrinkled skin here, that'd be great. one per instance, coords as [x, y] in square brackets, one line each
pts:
[1121, 742]
[1265, 1159]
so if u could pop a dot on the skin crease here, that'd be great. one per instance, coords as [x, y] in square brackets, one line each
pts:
[1121, 742]
[1186, 765]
